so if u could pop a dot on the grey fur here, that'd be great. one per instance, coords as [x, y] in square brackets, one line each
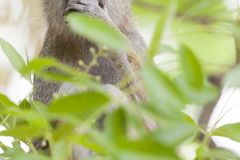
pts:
[69, 48]
[62, 44]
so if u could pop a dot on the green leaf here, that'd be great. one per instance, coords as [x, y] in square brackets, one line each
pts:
[97, 31]
[61, 150]
[145, 149]
[5, 101]
[99, 158]
[25, 105]
[88, 141]
[16, 144]
[4, 147]
[51, 69]
[207, 8]
[189, 120]
[162, 91]
[13, 56]
[24, 132]
[62, 131]
[215, 154]
[203, 152]
[229, 131]
[199, 96]
[140, 149]
[156, 39]
[115, 125]
[174, 134]
[160, 29]
[192, 71]
[82, 105]
[18, 154]
[223, 154]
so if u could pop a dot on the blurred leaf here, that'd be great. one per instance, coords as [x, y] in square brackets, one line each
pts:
[82, 105]
[153, 2]
[4, 147]
[160, 29]
[115, 125]
[145, 150]
[162, 91]
[223, 154]
[16, 144]
[156, 39]
[34, 119]
[205, 45]
[202, 153]
[18, 154]
[40, 65]
[215, 154]
[88, 141]
[98, 31]
[167, 49]
[189, 120]
[24, 132]
[229, 131]
[200, 96]
[192, 71]
[141, 149]
[25, 105]
[5, 101]
[232, 78]
[38, 106]
[51, 69]
[207, 8]
[63, 131]
[98, 158]
[61, 150]
[13, 56]
[174, 134]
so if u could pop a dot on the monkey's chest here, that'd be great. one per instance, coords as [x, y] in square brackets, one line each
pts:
[107, 66]
[107, 69]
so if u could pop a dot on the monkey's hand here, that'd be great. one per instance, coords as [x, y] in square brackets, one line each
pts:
[94, 8]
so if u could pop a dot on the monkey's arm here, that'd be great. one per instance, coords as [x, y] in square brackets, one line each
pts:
[43, 90]
[134, 37]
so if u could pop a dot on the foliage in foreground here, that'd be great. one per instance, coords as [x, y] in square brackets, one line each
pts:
[125, 136]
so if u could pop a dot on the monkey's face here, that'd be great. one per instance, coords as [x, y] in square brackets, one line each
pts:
[116, 10]
[56, 9]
